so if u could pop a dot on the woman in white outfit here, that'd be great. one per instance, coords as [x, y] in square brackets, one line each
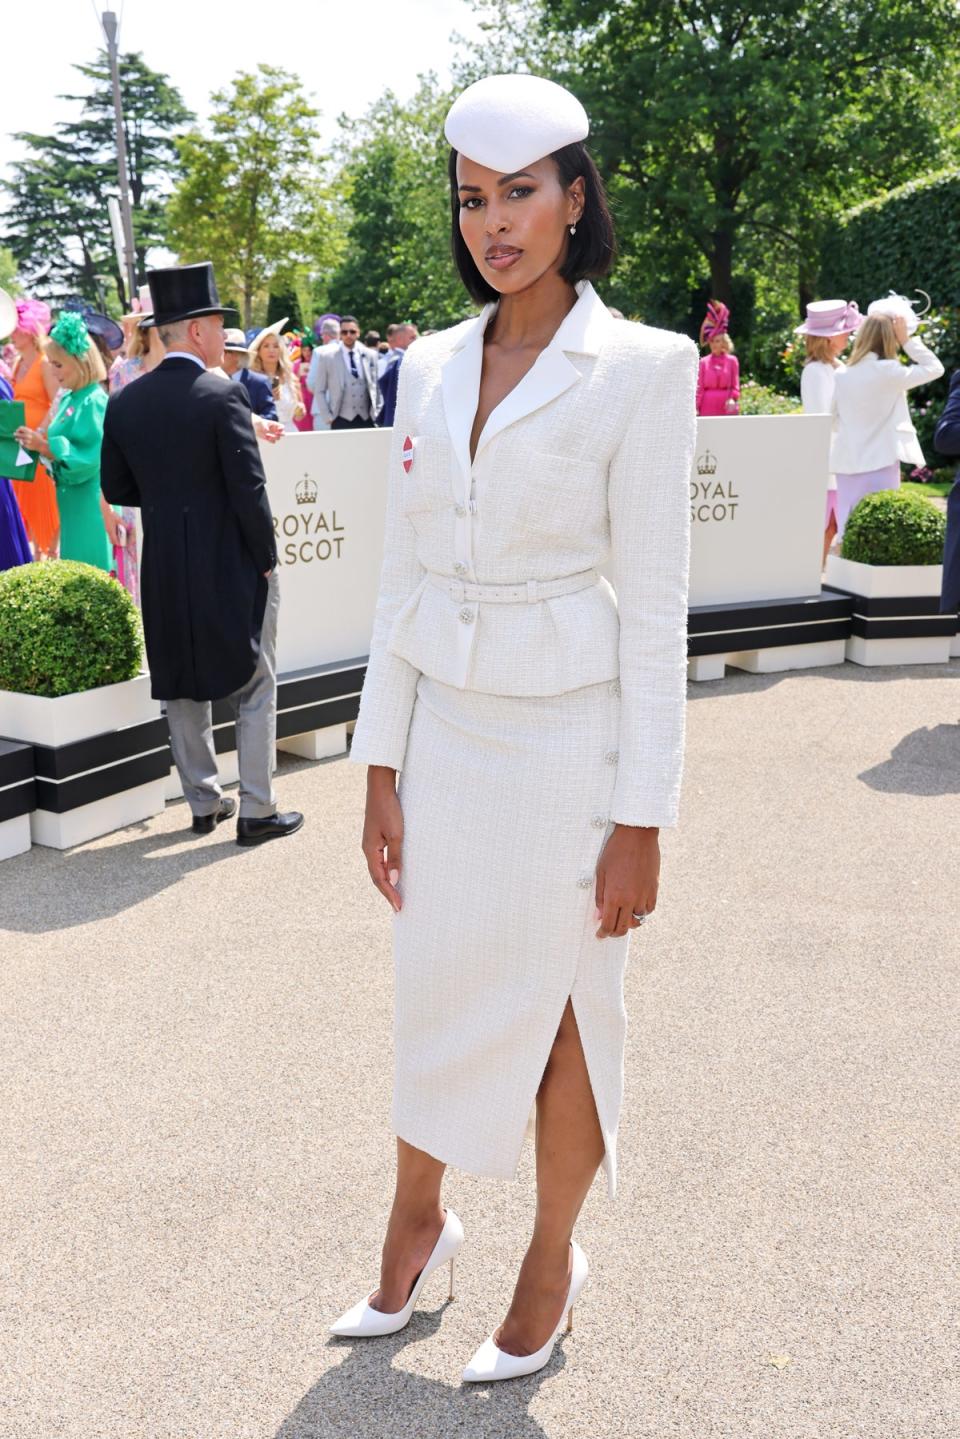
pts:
[826, 330]
[269, 356]
[536, 727]
[873, 431]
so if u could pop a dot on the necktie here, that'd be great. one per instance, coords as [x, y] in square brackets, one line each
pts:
[353, 364]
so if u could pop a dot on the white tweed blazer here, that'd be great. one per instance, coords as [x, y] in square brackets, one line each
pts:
[586, 462]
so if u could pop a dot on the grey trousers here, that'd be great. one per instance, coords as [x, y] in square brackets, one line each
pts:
[255, 709]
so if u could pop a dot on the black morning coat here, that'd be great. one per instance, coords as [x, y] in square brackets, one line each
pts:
[179, 443]
[946, 441]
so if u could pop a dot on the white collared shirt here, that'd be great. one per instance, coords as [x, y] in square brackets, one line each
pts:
[184, 355]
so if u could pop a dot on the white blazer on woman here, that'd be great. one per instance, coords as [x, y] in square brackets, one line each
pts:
[873, 427]
[490, 575]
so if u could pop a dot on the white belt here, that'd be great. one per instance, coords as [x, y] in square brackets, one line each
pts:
[530, 592]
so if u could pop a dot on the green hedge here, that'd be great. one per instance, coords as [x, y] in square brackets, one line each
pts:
[66, 627]
[892, 528]
[904, 240]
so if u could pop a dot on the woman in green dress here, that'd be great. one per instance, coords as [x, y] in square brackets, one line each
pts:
[72, 442]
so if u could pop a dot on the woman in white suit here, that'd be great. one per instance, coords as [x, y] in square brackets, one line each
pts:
[535, 720]
[873, 431]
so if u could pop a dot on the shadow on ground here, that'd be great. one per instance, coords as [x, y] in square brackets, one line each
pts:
[738, 682]
[367, 1395]
[925, 762]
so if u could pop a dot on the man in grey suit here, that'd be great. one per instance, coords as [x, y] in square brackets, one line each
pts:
[329, 340]
[346, 395]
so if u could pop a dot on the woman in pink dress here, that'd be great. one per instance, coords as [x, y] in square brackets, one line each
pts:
[301, 368]
[718, 384]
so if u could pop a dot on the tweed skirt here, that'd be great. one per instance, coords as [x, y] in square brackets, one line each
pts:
[506, 806]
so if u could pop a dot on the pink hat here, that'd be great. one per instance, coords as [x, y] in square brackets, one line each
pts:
[716, 323]
[826, 318]
[33, 317]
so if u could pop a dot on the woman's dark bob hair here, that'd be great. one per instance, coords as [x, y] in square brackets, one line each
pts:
[591, 251]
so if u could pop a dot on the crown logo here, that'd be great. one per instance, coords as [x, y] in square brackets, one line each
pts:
[707, 463]
[306, 491]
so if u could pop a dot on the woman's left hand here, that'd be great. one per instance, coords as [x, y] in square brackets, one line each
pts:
[628, 876]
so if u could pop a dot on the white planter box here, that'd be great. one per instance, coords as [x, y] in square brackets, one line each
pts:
[890, 583]
[103, 816]
[54, 722]
[14, 836]
[879, 582]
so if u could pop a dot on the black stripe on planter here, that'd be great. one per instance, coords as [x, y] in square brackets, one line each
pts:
[745, 614]
[766, 639]
[302, 721]
[101, 783]
[16, 761]
[896, 629]
[312, 686]
[70, 759]
[18, 799]
[897, 606]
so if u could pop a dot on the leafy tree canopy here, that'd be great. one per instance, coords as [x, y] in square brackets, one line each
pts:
[251, 196]
[57, 223]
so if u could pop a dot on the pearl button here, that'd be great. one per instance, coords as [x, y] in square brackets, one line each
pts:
[585, 881]
[466, 616]
[459, 568]
[461, 510]
[599, 821]
[611, 756]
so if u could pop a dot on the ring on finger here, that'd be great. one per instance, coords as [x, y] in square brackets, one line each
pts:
[640, 918]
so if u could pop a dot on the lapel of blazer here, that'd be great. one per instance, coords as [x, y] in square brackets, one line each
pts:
[582, 332]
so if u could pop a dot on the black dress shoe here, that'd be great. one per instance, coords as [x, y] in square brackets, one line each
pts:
[274, 826]
[207, 823]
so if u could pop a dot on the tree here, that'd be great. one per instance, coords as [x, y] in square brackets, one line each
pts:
[57, 226]
[722, 121]
[397, 263]
[252, 196]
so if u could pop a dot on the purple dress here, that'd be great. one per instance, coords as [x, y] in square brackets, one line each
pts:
[14, 545]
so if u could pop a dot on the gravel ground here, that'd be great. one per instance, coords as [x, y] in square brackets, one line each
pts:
[194, 1146]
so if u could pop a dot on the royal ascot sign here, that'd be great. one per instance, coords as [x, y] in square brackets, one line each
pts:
[327, 492]
[758, 492]
[757, 498]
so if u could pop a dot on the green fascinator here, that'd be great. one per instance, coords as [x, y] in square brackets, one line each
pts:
[71, 334]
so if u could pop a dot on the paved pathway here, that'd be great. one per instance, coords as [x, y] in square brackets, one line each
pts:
[194, 1061]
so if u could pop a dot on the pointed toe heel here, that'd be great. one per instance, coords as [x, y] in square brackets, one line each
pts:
[363, 1322]
[491, 1363]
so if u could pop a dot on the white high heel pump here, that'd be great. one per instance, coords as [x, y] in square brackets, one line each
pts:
[363, 1322]
[491, 1363]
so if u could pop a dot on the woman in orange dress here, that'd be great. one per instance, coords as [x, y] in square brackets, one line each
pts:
[36, 385]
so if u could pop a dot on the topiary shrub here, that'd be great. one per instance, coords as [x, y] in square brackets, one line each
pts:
[892, 528]
[64, 628]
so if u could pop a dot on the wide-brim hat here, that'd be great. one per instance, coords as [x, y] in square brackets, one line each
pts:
[273, 329]
[506, 122]
[8, 314]
[185, 292]
[827, 318]
[143, 306]
[235, 341]
[97, 324]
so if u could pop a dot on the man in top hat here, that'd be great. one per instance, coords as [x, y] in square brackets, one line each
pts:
[236, 353]
[180, 445]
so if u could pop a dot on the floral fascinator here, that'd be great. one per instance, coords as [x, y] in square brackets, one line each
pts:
[71, 333]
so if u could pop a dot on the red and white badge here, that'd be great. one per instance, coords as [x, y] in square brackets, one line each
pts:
[406, 454]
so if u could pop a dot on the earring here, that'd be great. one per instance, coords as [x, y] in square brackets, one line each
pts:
[573, 229]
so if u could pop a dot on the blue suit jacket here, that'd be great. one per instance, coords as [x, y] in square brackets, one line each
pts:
[389, 381]
[946, 441]
[261, 395]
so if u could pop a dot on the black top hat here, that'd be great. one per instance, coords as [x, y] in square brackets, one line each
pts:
[183, 292]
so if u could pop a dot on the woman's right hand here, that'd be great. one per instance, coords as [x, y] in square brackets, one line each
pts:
[383, 833]
[900, 330]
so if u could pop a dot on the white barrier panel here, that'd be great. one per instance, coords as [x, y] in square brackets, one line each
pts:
[757, 507]
[757, 498]
[328, 495]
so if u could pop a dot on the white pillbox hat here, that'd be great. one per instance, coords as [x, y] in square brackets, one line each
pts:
[506, 122]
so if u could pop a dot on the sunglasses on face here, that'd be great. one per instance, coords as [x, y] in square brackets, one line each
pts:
[349, 332]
